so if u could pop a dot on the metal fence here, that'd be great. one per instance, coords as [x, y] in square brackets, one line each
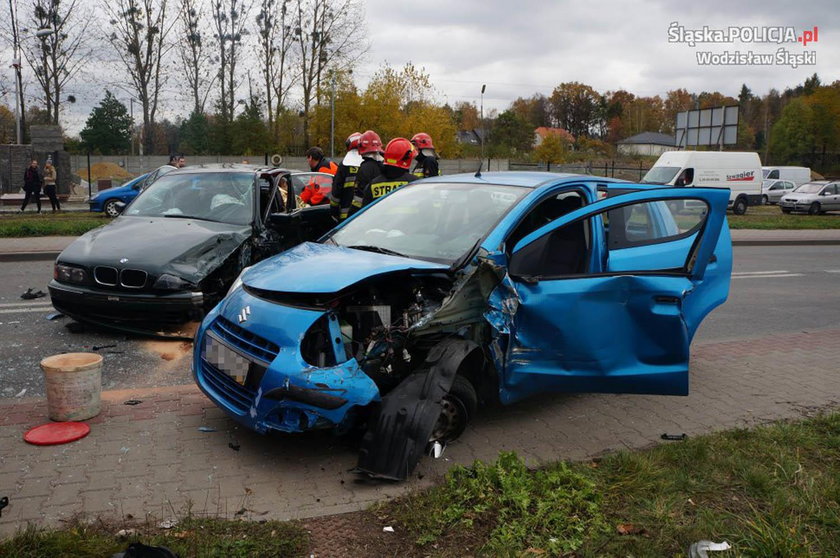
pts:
[606, 168]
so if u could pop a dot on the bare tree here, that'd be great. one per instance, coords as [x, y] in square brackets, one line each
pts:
[139, 35]
[60, 50]
[194, 53]
[328, 34]
[230, 19]
[274, 49]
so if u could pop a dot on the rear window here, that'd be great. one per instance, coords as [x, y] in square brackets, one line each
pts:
[660, 175]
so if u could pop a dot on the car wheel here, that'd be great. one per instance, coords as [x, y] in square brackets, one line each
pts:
[110, 208]
[765, 200]
[814, 209]
[740, 206]
[458, 408]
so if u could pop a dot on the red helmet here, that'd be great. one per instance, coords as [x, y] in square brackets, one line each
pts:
[369, 142]
[422, 141]
[352, 141]
[399, 153]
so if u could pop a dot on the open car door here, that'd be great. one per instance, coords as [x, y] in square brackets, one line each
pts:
[605, 295]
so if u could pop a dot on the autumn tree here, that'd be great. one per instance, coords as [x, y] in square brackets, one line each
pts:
[230, 22]
[574, 107]
[792, 136]
[108, 128]
[676, 100]
[275, 39]
[140, 28]
[534, 110]
[554, 149]
[60, 50]
[512, 135]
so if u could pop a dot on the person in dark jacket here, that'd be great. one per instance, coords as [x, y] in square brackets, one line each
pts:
[398, 156]
[427, 160]
[370, 148]
[344, 181]
[32, 182]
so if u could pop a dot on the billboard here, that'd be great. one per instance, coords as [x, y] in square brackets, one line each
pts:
[711, 126]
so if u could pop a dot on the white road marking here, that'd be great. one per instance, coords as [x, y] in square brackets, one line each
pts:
[25, 304]
[759, 272]
[768, 276]
[23, 310]
[832, 270]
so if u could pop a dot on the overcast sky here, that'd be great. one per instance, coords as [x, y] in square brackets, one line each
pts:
[519, 48]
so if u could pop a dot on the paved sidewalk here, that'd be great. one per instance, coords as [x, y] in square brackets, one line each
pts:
[152, 460]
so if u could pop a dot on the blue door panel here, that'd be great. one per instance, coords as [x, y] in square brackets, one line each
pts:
[606, 334]
[666, 255]
[712, 289]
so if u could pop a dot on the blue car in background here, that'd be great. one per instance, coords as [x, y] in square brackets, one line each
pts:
[463, 289]
[107, 201]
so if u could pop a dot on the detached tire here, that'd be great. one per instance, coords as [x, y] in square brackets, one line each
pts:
[740, 206]
[110, 208]
[458, 409]
[814, 209]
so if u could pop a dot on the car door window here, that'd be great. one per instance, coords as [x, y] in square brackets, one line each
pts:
[543, 213]
[777, 186]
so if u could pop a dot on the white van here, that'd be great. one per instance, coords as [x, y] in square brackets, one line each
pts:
[797, 175]
[739, 171]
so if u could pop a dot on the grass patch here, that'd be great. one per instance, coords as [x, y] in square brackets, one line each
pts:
[192, 537]
[771, 217]
[49, 224]
[769, 491]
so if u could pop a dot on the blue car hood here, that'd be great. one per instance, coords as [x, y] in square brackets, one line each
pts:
[326, 268]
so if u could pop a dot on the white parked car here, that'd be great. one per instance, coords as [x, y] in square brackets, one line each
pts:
[773, 190]
[814, 197]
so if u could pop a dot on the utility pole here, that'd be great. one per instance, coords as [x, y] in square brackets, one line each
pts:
[483, 130]
[16, 66]
[332, 116]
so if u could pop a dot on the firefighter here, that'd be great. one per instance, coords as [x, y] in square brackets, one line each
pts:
[370, 148]
[398, 156]
[427, 159]
[344, 181]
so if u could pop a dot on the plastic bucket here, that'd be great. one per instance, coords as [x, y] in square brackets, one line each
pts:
[74, 385]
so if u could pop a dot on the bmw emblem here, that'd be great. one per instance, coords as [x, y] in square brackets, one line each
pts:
[123, 260]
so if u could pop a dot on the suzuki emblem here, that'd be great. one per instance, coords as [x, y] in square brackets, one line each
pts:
[123, 260]
[243, 314]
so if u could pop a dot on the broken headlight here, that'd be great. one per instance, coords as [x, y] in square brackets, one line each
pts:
[69, 274]
[168, 282]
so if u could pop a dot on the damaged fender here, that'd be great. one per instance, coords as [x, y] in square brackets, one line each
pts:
[398, 435]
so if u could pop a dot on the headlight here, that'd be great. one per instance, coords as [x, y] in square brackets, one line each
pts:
[69, 274]
[238, 282]
[167, 282]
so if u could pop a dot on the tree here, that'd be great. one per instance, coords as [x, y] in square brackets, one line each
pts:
[230, 19]
[194, 54]
[553, 149]
[57, 57]
[792, 137]
[7, 125]
[274, 49]
[108, 128]
[139, 38]
[250, 135]
[676, 100]
[326, 36]
[195, 134]
[512, 134]
[574, 107]
[534, 110]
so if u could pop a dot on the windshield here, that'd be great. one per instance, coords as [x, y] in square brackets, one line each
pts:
[810, 188]
[438, 222]
[225, 197]
[765, 172]
[660, 175]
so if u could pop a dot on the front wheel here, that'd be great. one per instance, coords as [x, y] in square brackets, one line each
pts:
[110, 208]
[814, 209]
[765, 200]
[457, 409]
[740, 206]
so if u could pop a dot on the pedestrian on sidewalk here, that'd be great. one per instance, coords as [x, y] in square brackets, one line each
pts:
[32, 182]
[49, 185]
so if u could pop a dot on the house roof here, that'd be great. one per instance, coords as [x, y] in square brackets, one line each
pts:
[654, 138]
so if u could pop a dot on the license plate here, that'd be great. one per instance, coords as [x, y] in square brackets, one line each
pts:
[226, 359]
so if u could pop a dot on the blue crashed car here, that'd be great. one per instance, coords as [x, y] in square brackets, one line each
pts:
[463, 289]
[108, 201]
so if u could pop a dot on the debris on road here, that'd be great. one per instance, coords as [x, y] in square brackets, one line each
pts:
[388, 529]
[140, 550]
[675, 437]
[54, 316]
[100, 347]
[234, 447]
[54, 433]
[699, 549]
[4, 501]
[206, 429]
[21, 393]
[168, 523]
[125, 533]
[29, 294]
[132, 402]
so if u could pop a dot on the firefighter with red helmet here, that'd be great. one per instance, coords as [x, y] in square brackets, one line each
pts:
[370, 148]
[344, 181]
[312, 193]
[427, 159]
[397, 160]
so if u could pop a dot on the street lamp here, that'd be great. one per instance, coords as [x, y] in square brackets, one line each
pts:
[41, 33]
[481, 120]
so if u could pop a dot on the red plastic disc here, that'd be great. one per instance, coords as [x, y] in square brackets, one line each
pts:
[56, 433]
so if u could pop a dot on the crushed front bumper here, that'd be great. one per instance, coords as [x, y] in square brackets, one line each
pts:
[253, 370]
